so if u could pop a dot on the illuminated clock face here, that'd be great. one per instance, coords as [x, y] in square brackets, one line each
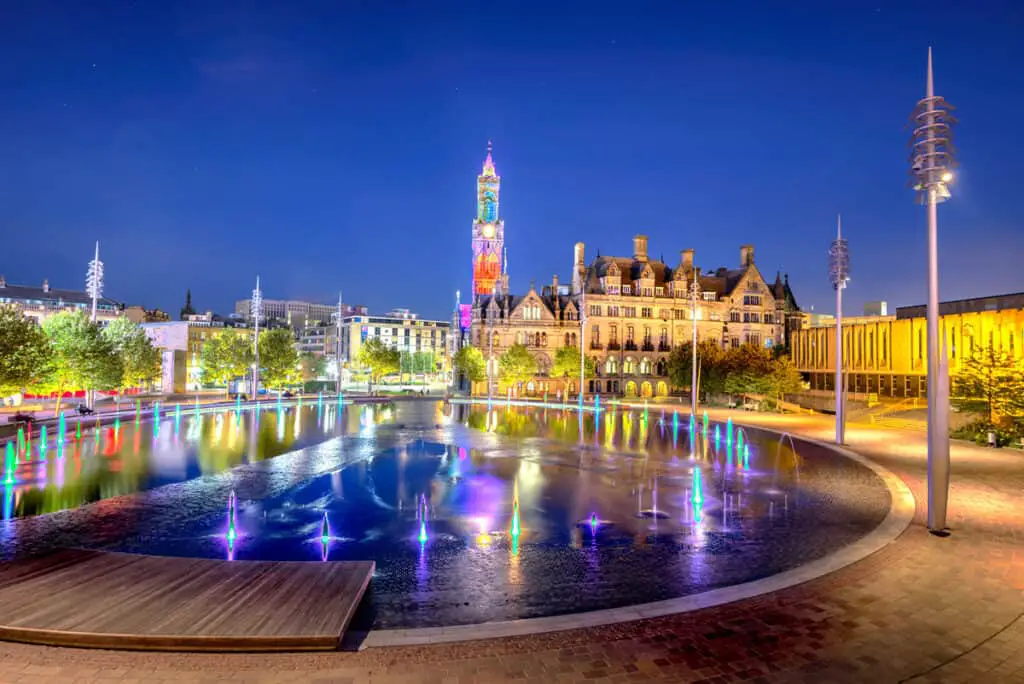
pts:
[488, 231]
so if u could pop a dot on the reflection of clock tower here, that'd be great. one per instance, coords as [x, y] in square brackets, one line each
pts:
[488, 231]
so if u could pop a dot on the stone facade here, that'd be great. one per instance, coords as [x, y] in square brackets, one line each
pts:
[635, 310]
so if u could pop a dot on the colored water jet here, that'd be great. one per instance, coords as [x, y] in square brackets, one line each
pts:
[325, 530]
[516, 529]
[728, 431]
[61, 428]
[739, 439]
[138, 410]
[78, 431]
[697, 498]
[705, 422]
[42, 439]
[10, 463]
[21, 439]
[423, 532]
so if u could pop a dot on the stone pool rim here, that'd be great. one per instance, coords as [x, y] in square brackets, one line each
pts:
[902, 507]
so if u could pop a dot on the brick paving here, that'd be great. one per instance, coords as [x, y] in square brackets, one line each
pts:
[923, 609]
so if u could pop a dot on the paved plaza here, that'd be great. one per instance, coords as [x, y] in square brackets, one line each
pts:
[924, 609]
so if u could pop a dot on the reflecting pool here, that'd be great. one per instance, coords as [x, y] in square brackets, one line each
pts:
[475, 515]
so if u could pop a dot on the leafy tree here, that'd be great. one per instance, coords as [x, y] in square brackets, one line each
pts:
[24, 352]
[279, 360]
[710, 368]
[517, 365]
[784, 378]
[469, 361]
[991, 382]
[567, 364]
[82, 358]
[226, 356]
[314, 366]
[378, 359]
[745, 382]
[140, 360]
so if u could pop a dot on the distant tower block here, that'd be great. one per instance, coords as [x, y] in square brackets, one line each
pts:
[488, 230]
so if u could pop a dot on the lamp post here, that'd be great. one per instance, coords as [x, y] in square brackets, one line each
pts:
[839, 273]
[583, 341]
[256, 311]
[337, 350]
[490, 346]
[94, 287]
[932, 158]
[694, 293]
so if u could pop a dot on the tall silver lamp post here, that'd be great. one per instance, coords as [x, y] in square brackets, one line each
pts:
[256, 311]
[337, 345]
[94, 288]
[583, 342]
[694, 294]
[839, 274]
[932, 161]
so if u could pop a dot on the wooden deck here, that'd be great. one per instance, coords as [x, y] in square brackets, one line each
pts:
[98, 599]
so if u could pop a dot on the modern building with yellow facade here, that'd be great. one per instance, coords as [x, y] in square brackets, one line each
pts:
[887, 355]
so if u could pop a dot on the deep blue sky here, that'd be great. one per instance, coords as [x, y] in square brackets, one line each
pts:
[329, 145]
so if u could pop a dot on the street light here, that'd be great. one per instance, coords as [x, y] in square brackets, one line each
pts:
[932, 158]
[256, 310]
[694, 294]
[839, 274]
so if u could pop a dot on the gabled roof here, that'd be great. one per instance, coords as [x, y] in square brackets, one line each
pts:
[19, 293]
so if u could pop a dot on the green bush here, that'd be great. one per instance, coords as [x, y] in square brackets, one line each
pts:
[1006, 435]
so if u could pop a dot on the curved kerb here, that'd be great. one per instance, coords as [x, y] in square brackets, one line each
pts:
[901, 512]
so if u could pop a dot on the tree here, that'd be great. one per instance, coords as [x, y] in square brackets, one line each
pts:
[225, 357]
[469, 361]
[784, 378]
[140, 360]
[82, 358]
[24, 352]
[517, 365]
[990, 381]
[567, 364]
[314, 366]
[710, 369]
[279, 360]
[378, 359]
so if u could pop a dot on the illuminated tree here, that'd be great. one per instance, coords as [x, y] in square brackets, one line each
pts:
[379, 359]
[225, 357]
[140, 360]
[279, 360]
[710, 368]
[567, 364]
[314, 366]
[991, 382]
[82, 358]
[784, 378]
[24, 352]
[469, 361]
[517, 365]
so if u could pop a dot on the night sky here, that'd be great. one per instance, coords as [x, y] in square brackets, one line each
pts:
[335, 145]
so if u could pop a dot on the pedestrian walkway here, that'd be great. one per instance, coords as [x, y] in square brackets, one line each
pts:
[924, 609]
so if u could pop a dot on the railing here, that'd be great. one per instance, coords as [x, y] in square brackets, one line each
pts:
[647, 347]
[630, 346]
[664, 347]
[596, 345]
[614, 346]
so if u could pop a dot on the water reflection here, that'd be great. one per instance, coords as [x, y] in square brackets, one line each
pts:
[83, 463]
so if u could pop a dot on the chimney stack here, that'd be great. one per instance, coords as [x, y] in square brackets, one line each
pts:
[640, 248]
[554, 296]
[579, 269]
[746, 255]
[46, 285]
[686, 259]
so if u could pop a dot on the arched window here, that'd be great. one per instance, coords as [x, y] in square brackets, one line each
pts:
[611, 366]
[645, 367]
[628, 365]
[496, 340]
[520, 337]
[566, 339]
[536, 340]
[544, 339]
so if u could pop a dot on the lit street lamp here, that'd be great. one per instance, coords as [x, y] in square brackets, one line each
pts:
[839, 274]
[256, 311]
[694, 294]
[931, 160]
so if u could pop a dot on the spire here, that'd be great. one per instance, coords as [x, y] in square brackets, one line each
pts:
[930, 88]
[489, 162]
[839, 226]
[504, 260]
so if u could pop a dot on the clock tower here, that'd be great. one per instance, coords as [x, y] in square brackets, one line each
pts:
[488, 230]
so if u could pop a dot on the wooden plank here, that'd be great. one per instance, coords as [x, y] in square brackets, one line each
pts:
[115, 600]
